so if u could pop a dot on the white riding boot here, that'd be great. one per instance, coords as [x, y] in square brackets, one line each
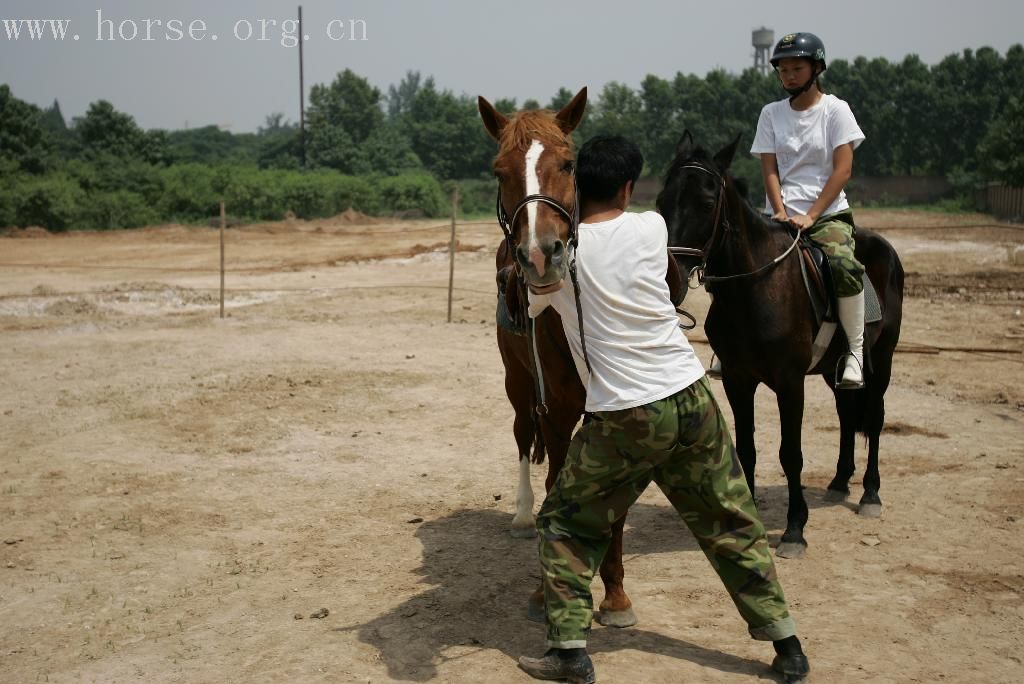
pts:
[851, 317]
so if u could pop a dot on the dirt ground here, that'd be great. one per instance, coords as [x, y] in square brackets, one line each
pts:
[180, 494]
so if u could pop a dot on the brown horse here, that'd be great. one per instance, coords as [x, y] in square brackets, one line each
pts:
[762, 326]
[535, 168]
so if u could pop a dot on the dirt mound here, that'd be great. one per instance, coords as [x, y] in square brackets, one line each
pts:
[73, 306]
[30, 232]
[351, 217]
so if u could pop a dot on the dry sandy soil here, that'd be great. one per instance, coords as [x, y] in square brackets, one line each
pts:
[179, 494]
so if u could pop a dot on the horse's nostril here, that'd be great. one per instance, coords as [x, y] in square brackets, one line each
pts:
[558, 253]
[522, 256]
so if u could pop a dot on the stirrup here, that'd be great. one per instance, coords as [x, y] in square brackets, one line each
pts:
[841, 381]
[715, 369]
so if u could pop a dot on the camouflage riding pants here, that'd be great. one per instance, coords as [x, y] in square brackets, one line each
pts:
[683, 445]
[834, 234]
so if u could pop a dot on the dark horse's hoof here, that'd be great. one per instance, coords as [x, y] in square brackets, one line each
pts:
[790, 549]
[616, 618]
[793, 667]
[836, 495]
[870, 510]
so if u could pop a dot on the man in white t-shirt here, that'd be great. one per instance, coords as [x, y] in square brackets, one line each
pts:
[650, 417]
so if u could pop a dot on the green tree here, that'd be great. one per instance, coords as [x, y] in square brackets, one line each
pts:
[1001, 151]
[103, 129]
[446, 134]
[388, 151]
[400, 97]
[342, 116]
[349, 103]
[22, 139]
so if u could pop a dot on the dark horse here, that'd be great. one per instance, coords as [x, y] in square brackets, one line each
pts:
[762, 327]
[537, 209]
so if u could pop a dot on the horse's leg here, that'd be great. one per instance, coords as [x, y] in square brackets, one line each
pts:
[740, 392]
[877, 384]
[616, 610]
[791, 413]
[519, 388]
[847, 403]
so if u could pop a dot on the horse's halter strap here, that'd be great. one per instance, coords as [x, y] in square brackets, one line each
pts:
[508, 223]
[703, 253]
[723, 222]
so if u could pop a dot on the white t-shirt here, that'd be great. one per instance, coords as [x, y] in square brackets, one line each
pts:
[803, 144]
[637, 351]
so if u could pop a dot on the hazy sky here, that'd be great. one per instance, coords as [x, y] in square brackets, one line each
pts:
[515, 48]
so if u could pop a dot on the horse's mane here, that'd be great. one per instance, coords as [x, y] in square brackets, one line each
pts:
[539, 124]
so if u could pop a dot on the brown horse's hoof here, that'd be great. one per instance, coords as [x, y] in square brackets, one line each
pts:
[870, 510]
[525, 532]
[616, 618]
[790, 550]
[836, 496]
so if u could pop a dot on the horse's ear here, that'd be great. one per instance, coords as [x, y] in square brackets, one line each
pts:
[494, 121]
[724, 156]
[685, 145]
[570, 115]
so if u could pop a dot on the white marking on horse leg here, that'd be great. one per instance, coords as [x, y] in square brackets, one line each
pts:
[523, 524]
[533, 188]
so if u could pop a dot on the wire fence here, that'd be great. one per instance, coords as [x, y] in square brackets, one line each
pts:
[385, 229]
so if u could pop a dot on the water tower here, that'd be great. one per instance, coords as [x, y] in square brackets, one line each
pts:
[763, 40]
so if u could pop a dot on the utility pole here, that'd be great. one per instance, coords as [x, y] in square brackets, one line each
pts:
[302, 96]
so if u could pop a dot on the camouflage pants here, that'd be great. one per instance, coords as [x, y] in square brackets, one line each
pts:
[834, 234]
[682, 444]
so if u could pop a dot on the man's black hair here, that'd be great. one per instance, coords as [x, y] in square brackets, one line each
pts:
[605, 163]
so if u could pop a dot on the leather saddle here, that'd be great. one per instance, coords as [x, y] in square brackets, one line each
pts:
[817, 273]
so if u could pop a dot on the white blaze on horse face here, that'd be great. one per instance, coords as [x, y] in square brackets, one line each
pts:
[533, 188]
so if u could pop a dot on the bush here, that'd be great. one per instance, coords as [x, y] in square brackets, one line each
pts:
[476, 196]
[119, 209]
[410, 192]
[54, 201]
[188, 193]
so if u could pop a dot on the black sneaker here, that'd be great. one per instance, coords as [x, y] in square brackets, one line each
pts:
[572, 665]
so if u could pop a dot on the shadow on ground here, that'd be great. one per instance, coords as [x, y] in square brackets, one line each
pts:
[477, 579]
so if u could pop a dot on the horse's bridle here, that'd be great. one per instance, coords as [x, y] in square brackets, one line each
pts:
[720, 224]
[507, 224]
[573, 218]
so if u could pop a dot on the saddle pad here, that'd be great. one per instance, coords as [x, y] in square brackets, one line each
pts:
[872, 307]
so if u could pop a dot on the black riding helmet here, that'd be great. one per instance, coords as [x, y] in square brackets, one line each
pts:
[805, 45]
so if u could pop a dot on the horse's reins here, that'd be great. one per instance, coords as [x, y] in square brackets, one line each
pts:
[507, 225]
[722, 221]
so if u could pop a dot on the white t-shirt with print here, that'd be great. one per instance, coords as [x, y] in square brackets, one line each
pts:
[803, 144]
[637, 351]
